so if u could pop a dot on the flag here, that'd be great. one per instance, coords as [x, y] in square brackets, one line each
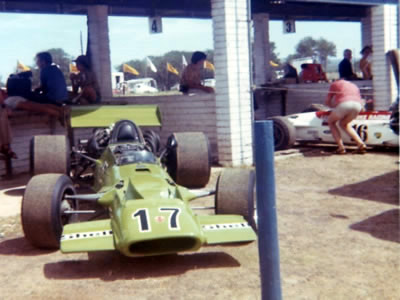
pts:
[128, 69]
[21, 67]
[184, 62]
[171, 69]
[209, 65]
[73, 68]
[150, 64]
[273, 64]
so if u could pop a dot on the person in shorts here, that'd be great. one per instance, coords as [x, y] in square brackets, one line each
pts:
[345, 99]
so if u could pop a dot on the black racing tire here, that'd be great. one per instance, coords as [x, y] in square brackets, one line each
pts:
[284, 133]
[235, 193]
[189, 163]
[42, 205]
[152, 140]
[315, 107]
[50, 154]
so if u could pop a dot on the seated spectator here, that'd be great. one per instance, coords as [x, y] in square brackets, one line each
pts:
[53, 89]
[191, 76]
[291, 72]
[365, 63]
[345, 67]
[86, 81]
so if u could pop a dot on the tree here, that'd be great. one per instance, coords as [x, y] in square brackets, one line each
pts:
[319, 50]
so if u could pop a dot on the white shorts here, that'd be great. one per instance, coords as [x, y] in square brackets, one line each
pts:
[348, 108]
[12, 102]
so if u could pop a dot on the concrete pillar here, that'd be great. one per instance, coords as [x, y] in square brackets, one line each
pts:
[366, 30]
[261, 49]
[233, 95]
[384, 38]
[99, 46]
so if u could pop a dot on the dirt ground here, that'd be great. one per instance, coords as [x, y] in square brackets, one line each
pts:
[339, 238]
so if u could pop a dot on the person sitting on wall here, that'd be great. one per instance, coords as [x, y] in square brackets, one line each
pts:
[365, 63]
[346, 106]
[86, 81]
[53, 88]
[291, 72]
[19, 91]
[345, 67]
[191, 76]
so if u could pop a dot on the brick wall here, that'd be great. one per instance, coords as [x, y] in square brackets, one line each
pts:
[179, 113]
[233, 98]
[384, 38]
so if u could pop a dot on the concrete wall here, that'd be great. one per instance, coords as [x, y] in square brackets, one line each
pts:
[179, 113]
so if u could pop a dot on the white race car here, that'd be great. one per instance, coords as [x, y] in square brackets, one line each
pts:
[375, 128]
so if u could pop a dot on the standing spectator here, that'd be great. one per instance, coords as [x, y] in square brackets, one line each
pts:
[345, 67]
[365, 63]
[191, 76]
[346, 106]
[86, 81]
[53, 89]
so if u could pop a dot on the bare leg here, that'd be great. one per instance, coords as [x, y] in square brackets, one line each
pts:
[345, 124]
[332, 120]
[49, 109]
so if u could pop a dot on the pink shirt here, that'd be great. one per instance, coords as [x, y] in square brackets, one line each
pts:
[342, 91]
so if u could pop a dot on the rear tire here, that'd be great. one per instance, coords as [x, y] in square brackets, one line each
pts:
[284, 133]
[41, 214]
[50, 154]
[235, 193]
[189, 163]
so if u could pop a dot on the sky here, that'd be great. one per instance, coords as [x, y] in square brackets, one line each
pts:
[23, 35]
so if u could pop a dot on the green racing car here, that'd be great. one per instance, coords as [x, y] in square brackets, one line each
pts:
[144, 189]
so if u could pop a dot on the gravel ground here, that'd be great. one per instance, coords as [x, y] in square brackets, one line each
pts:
[339, 238]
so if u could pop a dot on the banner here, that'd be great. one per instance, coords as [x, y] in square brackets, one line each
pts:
[128, 69]
[21, 67]
[209, 65]
[184, 62]
[171, 69]
[73, 68]
[150, 64]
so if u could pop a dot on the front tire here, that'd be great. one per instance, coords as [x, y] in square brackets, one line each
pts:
[235, 193]
[43, 204]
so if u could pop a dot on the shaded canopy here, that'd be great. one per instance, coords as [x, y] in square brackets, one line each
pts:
[339, 10]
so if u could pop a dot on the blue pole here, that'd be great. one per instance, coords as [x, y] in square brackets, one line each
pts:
[268, 247]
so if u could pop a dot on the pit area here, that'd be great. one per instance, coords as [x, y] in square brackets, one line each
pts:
[339, 236]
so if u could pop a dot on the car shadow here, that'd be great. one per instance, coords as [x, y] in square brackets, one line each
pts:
[385, 226]
[20, 247]
[388, 191]
[110, 266]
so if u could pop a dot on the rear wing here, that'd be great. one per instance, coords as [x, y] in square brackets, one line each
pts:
[104, 115]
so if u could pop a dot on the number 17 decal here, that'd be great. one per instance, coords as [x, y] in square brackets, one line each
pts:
[142, 214]
[173, 221]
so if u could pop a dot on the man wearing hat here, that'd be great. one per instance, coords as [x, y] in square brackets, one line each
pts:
[86, 81]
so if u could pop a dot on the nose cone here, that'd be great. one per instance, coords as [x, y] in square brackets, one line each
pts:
[157, 227]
